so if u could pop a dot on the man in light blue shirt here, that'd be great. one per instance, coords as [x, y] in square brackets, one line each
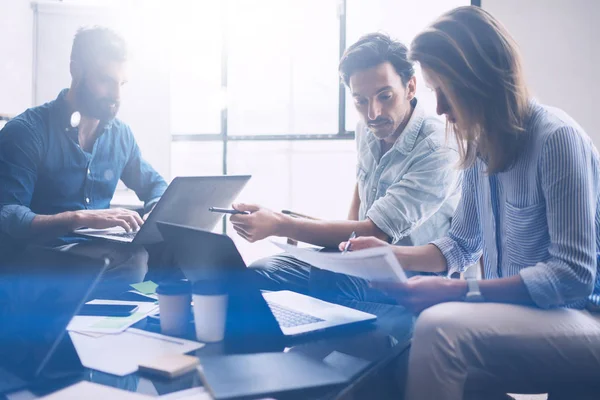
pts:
[407, 180]
[408, 192]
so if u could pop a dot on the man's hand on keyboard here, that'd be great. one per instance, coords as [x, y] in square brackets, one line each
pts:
[102, 219]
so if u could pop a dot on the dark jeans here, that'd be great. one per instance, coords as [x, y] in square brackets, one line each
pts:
[284, 272]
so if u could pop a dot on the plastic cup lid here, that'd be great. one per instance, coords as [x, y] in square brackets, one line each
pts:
[178, 287]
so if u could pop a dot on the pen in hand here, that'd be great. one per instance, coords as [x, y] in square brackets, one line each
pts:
[227, 211]
[347, 246]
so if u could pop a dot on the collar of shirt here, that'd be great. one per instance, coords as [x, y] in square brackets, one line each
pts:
[407, 139]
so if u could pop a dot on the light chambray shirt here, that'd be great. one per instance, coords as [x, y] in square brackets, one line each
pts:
[540, 219]
[411, 191]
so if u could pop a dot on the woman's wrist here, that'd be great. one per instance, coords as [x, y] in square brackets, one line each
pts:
[457, 289]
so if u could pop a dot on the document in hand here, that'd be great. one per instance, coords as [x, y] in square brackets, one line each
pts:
[375, 264]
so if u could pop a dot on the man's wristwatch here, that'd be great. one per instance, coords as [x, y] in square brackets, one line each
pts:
[473, 295]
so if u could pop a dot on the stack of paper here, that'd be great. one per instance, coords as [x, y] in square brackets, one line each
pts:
[196, 393]
[121, 354]
[375, 264]
[93, 391]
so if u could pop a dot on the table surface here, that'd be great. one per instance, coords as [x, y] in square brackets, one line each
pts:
[377, 343]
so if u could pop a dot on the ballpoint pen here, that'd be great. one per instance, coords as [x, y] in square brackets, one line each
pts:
[227, 211]
[347, 246]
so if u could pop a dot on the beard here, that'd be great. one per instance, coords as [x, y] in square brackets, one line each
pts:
[93, 106]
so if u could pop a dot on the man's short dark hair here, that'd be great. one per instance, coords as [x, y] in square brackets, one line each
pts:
[374, 49]
[98, 43]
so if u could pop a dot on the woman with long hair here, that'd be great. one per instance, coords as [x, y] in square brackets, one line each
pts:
[529, 207]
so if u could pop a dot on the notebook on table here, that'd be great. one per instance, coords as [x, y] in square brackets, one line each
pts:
[265, 374]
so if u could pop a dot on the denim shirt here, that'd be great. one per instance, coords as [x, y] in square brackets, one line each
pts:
[43, 170]
[540, 219]
[412, 190]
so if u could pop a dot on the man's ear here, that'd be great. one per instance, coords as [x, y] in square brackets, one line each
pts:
[411, 88]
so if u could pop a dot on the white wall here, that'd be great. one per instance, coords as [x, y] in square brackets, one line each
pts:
[16, 52]
[560, 42]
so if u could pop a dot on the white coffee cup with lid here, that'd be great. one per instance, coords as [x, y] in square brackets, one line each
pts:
[174, 300]
[210, 300]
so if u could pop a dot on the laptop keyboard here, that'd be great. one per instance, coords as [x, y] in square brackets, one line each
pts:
[288, 318]
[127, 235]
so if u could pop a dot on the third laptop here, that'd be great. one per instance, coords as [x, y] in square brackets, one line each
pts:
[200, 252]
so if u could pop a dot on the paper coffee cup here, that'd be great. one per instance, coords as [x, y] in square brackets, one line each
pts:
[174, 300]
[210, 310]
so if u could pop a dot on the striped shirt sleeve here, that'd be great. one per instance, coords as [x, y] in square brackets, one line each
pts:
[567, 167]
[462, 246]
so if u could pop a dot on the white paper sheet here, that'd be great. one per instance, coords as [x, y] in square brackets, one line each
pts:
[121, 354]
[93, 391]
[375, 264]
[197, 393]
[109, 325]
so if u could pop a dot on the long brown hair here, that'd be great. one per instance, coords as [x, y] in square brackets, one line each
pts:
[479, 69]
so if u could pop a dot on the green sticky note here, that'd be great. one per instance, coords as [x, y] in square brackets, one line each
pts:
[147, 287]
[115, 322]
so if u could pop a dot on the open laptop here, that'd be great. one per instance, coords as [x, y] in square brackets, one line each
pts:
[201, 254]
[186, 201]
[38, 298]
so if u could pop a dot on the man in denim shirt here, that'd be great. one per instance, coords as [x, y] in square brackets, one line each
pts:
[60, 164]
[407, 181]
